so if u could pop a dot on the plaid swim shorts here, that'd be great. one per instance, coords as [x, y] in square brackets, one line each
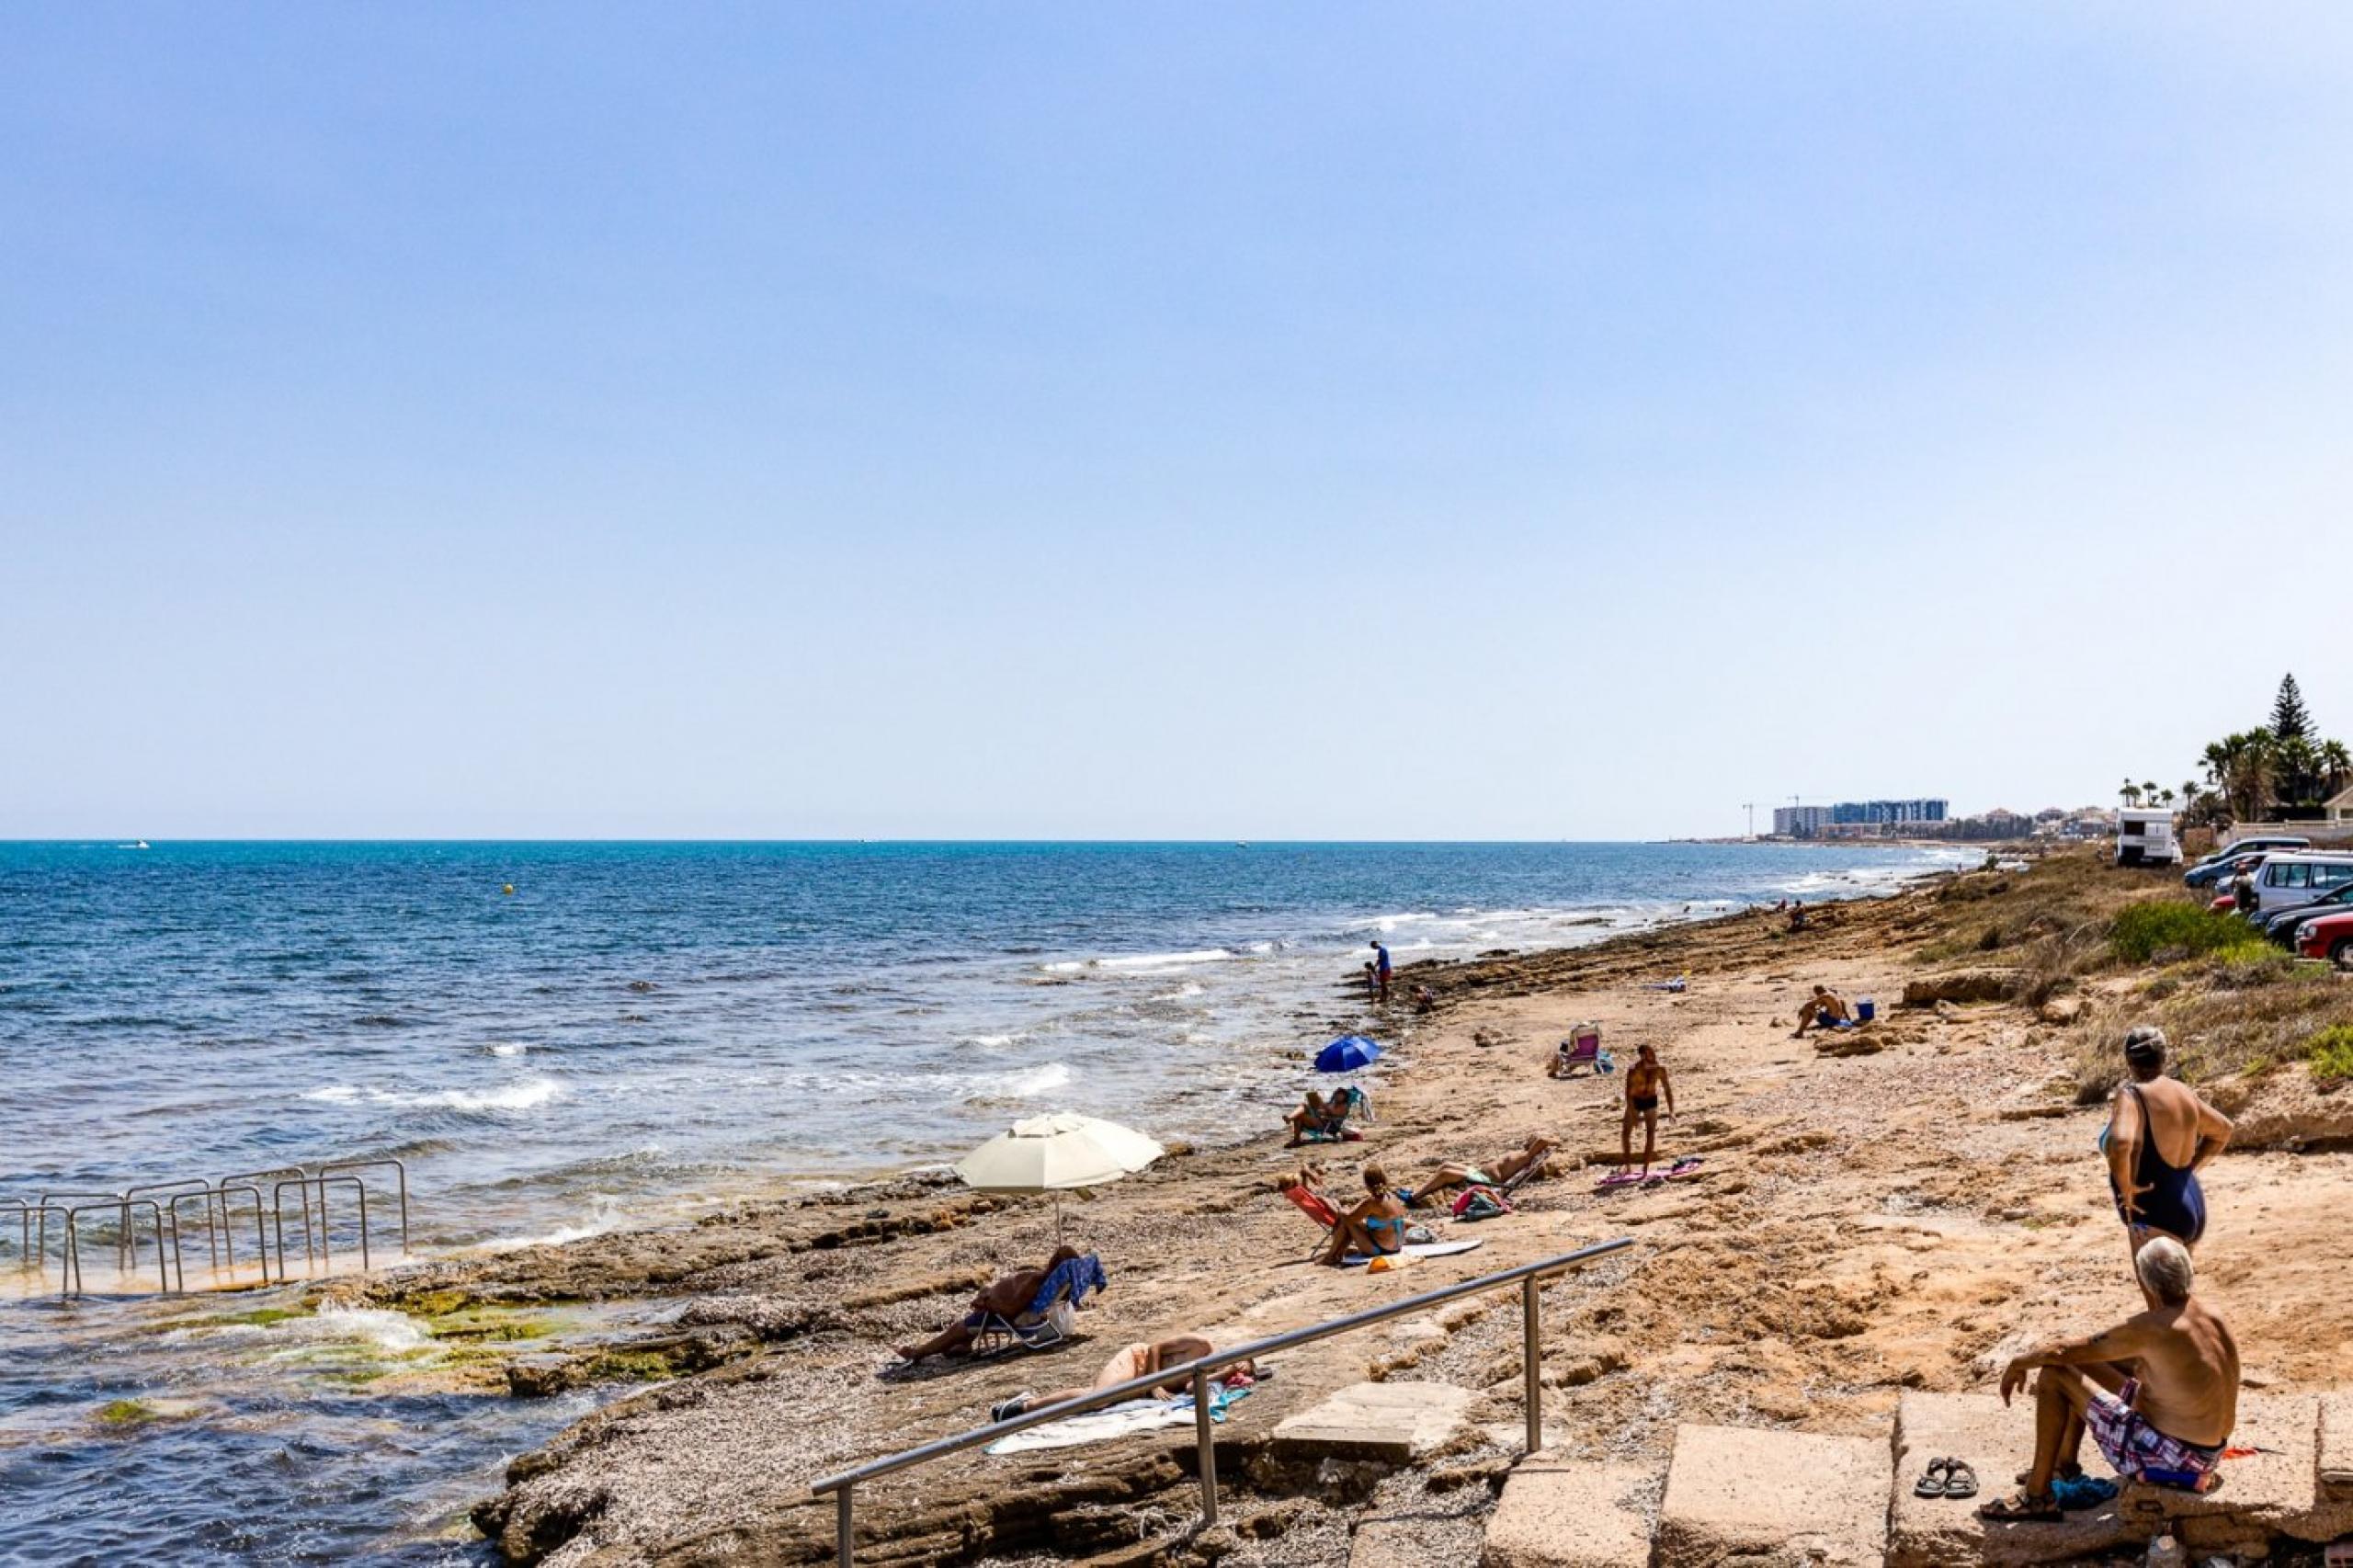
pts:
[2137, 1449]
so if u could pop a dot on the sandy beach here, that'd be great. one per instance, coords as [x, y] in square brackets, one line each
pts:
[1900, 1219]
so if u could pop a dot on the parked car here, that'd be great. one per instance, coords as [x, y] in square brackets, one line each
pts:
[2289, 877]
[2282, 927]
[2328, 937]
[2217, 866]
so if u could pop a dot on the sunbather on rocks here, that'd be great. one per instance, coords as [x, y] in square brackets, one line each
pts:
[1377, 1224]
[1451, 1174]
[2158, 1393]
[1823, 1009]
[1323, 1117]
[1007, 1298]
[1132, 1361]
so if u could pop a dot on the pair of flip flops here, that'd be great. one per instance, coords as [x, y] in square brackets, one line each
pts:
[1946, 1478]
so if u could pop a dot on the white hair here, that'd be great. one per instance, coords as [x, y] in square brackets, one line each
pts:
[2164, 1267]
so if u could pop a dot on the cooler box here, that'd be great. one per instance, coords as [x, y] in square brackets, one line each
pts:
[1865, 1010]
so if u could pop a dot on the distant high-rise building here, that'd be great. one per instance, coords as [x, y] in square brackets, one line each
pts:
[1809, 822]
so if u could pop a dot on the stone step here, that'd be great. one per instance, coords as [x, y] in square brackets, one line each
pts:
[1396, 1422]
[2266, 1495]
[1564, 1513]
[1742, 1493]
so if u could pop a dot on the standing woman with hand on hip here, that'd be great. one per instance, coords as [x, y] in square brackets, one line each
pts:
[2159, 1134]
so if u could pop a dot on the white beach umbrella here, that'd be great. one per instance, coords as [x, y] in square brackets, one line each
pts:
[1055, 1153]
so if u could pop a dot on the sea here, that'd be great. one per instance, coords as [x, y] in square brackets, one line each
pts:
[560, 1039]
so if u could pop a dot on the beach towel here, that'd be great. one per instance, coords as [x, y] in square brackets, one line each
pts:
[1415, 1249]
[1115, 1421]
[1075, 1275]
[1481, 1203]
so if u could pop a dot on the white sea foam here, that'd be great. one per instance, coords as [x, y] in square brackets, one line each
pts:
[993, 1041]
[509, 1048]
[1165, 961]
[1038, 1081]
[528, 1095]
[1385, 923]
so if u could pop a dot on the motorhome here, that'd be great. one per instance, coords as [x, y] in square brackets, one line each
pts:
[2145, 838]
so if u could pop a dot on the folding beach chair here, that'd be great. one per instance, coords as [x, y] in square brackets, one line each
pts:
[1583, 1049]
[1351, 1101]
[1050, 1315]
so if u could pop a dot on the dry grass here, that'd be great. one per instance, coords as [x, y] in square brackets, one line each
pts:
[2224, 1018]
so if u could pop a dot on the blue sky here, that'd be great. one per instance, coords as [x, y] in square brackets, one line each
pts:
[1513, 421]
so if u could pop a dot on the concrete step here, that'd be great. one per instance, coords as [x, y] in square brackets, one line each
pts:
[1563, 1513]
[1397, 1422]
[1996, 1443]
[1756, 1495]
[2264, 1496]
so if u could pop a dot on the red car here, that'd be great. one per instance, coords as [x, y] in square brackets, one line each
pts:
[2328, 937]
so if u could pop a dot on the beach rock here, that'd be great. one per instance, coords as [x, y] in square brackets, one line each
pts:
[1968, 986]
[1850, 1042]
[1996, 1442]
[2061, 1010]
[1397, 1423]
[1743, 1494]
[1561, 1512]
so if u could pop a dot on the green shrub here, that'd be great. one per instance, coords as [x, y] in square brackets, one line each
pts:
[2142, 930]
[2331, 1054]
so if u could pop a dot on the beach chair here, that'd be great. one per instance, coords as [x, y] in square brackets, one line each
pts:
[1583, 1049]
[1351, 1101]
[1050, 1315]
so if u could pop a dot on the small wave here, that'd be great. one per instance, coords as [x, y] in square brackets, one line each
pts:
[993, 1041]
[1037, 1081]
[1385, 923]
[526, 1095]
[1165, 961]
[509, 1048]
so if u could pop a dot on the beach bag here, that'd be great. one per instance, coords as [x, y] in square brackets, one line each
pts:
[1481, 1203]
[1063, 1316]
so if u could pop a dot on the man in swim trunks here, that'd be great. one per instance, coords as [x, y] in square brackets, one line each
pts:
[2158, 1135]
[1534, 1152]
[1007, 1298]
[2166, 1421]
[1131, 1361]
[1645, 1082]
[1380, 971]
[1823, 1009]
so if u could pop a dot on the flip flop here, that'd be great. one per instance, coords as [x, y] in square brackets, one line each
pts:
[2022, 1510]
[1930, 1484]
[1960, 1480]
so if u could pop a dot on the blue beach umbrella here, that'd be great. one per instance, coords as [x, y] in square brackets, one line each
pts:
[1350, 1053]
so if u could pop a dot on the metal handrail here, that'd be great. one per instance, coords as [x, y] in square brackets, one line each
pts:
[400, 1170]
[325, 1256]
[843, 1486]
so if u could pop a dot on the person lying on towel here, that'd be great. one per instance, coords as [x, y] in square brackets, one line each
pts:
[1377, 1224]
[1131, 1361]
[2158, 1393]
[1822, 1010]
[1535, 1151]
[1007, 1298]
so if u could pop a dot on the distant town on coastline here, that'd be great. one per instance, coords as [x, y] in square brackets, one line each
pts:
[1930, 817]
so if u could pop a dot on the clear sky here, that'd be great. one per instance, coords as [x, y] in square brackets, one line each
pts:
[1137, 421]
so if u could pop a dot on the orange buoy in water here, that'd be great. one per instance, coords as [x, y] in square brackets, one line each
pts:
[508, 889]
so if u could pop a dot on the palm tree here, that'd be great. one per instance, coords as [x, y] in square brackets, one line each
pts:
[2336, 766]
[2148, 792]
[2131, 791]
[2165, 799]
[2296, 769]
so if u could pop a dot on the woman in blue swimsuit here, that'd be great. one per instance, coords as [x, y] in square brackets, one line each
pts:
[2155, 1195]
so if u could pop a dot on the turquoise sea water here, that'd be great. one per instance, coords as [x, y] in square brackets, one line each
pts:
[634, 1030]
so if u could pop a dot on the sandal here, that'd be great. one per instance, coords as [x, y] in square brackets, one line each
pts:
[1960, 1480]
[2023, 1509]
[2065, 1472]
[1931, 1484]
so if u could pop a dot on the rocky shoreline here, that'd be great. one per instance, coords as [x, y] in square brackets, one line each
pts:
[1881, 1219]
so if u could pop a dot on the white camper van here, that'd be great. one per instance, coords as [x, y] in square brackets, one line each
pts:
[2145, 838]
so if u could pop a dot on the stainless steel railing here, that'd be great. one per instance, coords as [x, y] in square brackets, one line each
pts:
[1526, 1276]
[159, 1207]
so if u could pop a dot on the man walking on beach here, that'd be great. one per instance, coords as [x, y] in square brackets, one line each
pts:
[1646, 1080]
[1380, 971]
[2158, 1393]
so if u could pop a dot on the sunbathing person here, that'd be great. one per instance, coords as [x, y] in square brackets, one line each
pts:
[1377, 1224]
[1007, 1298]
[1823, 1008]
[1325, 1119]
[1131, 1361]
[2158, 1134]
[2158, 1393]
[1535, 1151]
[1646, 1080]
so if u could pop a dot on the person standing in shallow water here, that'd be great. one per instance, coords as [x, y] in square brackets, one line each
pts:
[1380, 972]
[1646, 1080]
[2158, 1135]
